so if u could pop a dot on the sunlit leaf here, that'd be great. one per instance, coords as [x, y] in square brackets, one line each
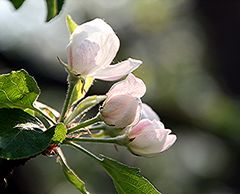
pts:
[127, 180]
[21, 135]
[18, 90]
[71, 24]
[17, 3]
[53, 8]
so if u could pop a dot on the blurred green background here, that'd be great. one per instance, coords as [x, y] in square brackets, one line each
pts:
[190, 50]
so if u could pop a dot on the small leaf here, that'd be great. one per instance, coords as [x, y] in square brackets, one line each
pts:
[84, 106]
[18, 90]
[71, 24]
[21, 135]
[59, 133]
[17, 3]
[54, 7]
[127, 180]
[81, 89]
[70, 174]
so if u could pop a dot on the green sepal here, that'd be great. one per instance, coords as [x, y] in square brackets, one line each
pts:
[72, 25]
[81, 88]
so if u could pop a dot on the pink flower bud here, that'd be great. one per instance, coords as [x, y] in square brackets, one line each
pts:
[92, 48]
[120, 110]
[123, 105]
[149, 137]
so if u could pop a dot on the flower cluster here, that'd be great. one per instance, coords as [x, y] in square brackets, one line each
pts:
[91, 50]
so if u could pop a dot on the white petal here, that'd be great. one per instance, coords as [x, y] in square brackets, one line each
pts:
[117, 71]
[93, 45]
[101, 33]
[131, 85]
[169, 142]
[148, 113]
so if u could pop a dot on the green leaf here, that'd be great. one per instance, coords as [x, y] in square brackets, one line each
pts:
[18, 90]
[71, 24]
[59, 133]
[80, 89]
[127, 180]
[53, 7]
[74, 179]
[84, 106]
[70, 174]
[21, 135]
[17, 3]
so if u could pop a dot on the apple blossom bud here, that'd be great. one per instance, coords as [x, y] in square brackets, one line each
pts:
[92, 47]
[149, 137]
[120, 110]
[123, 105]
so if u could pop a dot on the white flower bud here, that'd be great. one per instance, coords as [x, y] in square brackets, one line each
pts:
[92, 48]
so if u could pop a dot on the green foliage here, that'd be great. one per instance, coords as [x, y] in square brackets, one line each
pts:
[59, 133]
[127, 180]
[21, 135]
[74, 179]
[18, 90]
[17, 3]
[70, 174]
[54, 7]
[71, 24]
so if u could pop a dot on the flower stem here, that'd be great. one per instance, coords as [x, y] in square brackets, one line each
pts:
[82, 149]
[86, 123]
[72, 80]
[120, 140]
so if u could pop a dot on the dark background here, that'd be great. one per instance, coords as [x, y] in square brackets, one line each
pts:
[190, 50]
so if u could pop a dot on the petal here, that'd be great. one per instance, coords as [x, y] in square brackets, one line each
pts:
[169, 142]
[117, 71]
[138, 128]
[81, 56]
[148, 113]
[120, 110]
[100, 32]
[94, 44]
[131, 86]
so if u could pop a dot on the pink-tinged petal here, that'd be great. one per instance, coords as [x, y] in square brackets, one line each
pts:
[148, 113]
[120, 111]
[109, 44]
[117, 71]
[169, 142]
[96, 25]
[138, 113]
[149, 137]
[93, 45]
[131, 86]
[137, 129]
[81, 57]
